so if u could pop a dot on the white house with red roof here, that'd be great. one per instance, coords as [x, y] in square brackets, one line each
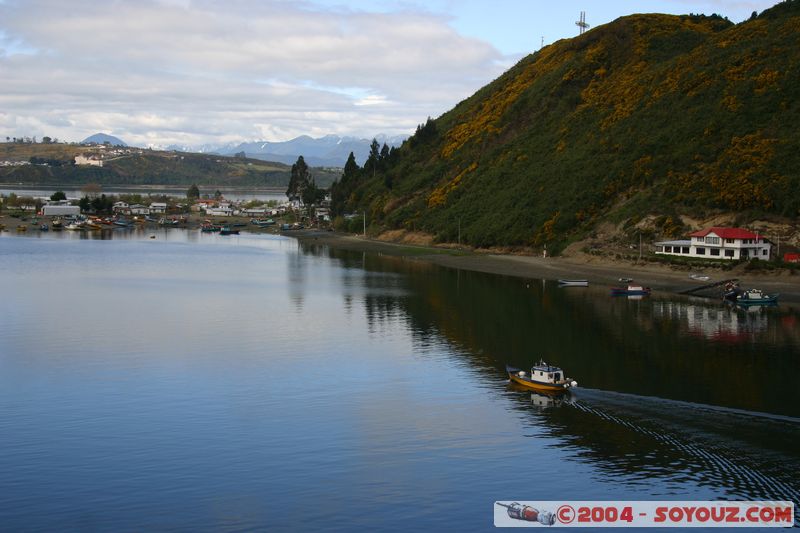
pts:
[719, 243]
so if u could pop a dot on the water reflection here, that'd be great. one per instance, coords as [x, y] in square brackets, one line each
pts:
[383, 383]
[690, 350]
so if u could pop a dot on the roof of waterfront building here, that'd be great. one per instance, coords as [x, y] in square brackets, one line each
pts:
[726, 233]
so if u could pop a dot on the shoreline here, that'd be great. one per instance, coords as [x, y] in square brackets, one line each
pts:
[596, 270]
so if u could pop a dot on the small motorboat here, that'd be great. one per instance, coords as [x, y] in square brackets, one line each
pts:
[573, 282]
[699, 277]
[731, 292]
[543, 377]
[44, 227]
[630, 290]
[227, 230]
[625, 280]
[756, 297]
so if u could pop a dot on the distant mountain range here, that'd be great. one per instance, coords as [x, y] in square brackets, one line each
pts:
[102, 138]
[327, 151]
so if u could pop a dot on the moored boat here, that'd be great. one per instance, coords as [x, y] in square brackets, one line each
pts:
[573, 282]
[227, 230]
[543, 377]
[630, 290]
[756, 297]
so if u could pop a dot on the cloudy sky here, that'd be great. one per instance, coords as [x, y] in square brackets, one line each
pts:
[158, 72]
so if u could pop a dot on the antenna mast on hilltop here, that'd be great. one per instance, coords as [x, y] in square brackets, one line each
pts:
[582, 23]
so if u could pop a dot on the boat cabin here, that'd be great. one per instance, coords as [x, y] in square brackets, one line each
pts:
[546, 373]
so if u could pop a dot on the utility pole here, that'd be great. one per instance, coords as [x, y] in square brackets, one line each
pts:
[582, 23]
[640, 246]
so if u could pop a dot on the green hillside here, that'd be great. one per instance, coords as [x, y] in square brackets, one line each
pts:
[149, 167]
[648, 115]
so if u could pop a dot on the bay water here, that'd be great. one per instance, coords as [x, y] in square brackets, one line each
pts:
[198, 382]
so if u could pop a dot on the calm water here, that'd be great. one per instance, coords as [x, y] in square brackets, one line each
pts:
[197, 382]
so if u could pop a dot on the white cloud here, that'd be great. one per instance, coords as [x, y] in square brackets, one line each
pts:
[163, 71]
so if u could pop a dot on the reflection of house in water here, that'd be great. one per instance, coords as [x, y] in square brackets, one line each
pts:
[726, 323]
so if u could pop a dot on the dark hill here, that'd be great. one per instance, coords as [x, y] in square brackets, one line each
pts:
[648, 115]
[102, 138]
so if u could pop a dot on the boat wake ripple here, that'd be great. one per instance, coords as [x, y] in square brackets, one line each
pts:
[732, 469]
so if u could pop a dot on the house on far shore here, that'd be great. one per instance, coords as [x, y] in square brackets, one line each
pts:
[137, 209]
[88, 160]
[719, 243]
[58, 210]
[158, 207]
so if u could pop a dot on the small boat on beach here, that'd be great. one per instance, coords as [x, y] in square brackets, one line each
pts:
[542, 377]
[573, 283]
[630, 290]
[699, 277]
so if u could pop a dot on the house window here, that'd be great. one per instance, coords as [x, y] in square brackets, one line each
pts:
[728, 253]
[668, 249]
[714, 251]
[712, 240]
[701, 251]
[686, 249]
[764, 251]
[729, 241]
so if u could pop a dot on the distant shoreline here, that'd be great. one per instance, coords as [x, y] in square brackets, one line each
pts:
[597, 270]
[177, 188]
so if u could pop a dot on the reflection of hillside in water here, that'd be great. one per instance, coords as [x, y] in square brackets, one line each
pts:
[652, 348]
[643, 347]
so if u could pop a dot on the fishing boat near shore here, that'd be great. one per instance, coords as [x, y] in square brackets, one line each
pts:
[228, 230]
[630, 290]
[573, 283]
[756, 297]
[543, 377]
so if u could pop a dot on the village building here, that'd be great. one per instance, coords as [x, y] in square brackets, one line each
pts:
[88, 160]
[137, 209]
[158, 207]
[59, 210]
[122, 208]
[719, 243]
